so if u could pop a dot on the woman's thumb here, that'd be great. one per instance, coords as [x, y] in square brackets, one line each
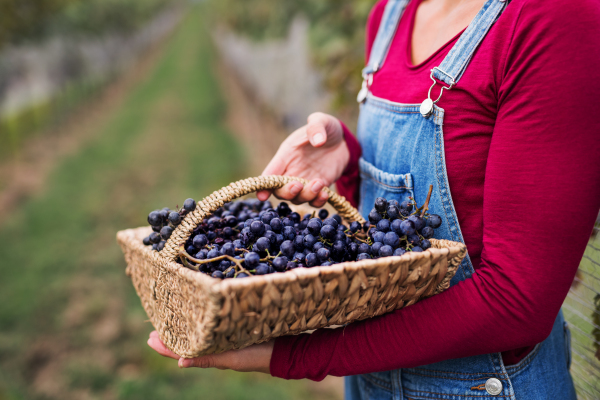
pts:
[316, 129]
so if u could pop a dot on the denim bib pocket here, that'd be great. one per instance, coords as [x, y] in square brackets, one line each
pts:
[377, 183]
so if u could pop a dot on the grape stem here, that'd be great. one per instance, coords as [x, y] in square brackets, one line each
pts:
[426, 204]
[184, 255]
[367, 241]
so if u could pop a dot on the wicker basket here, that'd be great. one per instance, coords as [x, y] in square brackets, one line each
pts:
[195, 314]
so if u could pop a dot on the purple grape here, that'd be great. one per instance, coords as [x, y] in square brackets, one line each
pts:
[386, 251]
[323, 254]
[418, 221]
[414, 240]
[323, 213]
[378, 236]
[381, 204]
[251, 260]
[374, 217]
[276, 225]
[393, 212]
[405, 205]
[166, 232]
[287, 248]
[228, 249]
[383, 225]
[257, 228]
[189, 205]
[354, 227]
[416, 249]
[289, 233]
[434, 221]
[309, 241]
[218, 274]
[407, 227]
[174, 218]
[328, 232]
[364, 248]
[299, 257]
[311, 260]
[399, 251]
[262, 244]
[427, 232]
[261, 269]
[314, 226]
[280, 263]
[154, 238]
[391, 239]
[331, 221]
[294, 217]
[155, 218]
[200, 241]
[375, 248]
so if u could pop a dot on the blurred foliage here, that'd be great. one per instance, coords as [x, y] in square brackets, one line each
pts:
[26, 20]
[337, 34]
[71, 325]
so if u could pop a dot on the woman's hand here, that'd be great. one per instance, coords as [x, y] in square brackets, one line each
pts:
[255, 358]
[316, 152]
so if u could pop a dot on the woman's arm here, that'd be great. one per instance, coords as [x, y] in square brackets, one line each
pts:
[541, 198]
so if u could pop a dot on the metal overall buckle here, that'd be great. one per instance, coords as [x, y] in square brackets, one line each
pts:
[364, 90]
[426, 108]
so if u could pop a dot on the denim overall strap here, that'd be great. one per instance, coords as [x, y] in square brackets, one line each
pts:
[387, 28]
[455, 63]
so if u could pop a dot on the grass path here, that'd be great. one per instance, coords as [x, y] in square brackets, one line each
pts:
[71, 326]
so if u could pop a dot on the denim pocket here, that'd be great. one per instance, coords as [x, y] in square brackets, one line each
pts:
[377, 183]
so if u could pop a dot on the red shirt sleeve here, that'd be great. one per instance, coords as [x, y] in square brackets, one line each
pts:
[349, 183]
[546, 140]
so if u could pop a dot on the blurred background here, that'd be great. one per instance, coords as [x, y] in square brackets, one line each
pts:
[112, 108]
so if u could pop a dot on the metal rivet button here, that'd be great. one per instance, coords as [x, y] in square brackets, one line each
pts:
[426, 108]
[493, 386]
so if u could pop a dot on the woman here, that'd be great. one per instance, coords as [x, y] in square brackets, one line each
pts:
[500, 117]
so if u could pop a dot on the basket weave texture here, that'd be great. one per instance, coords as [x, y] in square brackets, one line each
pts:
[196, 314]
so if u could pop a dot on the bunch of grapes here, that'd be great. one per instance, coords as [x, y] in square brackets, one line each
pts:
[164, 222]
[250, 237]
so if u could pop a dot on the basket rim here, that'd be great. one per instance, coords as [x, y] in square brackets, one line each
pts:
[128, 237]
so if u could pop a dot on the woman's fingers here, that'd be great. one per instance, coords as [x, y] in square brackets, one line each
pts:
[155, 343]
[320, 200]
[310, 192]
[254, 358]
[209, 361]
[276, 166]
[316, 130]
[289, 191]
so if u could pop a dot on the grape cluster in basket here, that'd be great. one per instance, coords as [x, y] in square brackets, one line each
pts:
[250, 237]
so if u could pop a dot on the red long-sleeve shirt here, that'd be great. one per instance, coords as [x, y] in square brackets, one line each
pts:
[522, 142]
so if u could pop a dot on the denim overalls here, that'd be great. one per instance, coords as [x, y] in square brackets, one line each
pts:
[403, 153]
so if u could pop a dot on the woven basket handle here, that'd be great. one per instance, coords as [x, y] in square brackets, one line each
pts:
[235, 190]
